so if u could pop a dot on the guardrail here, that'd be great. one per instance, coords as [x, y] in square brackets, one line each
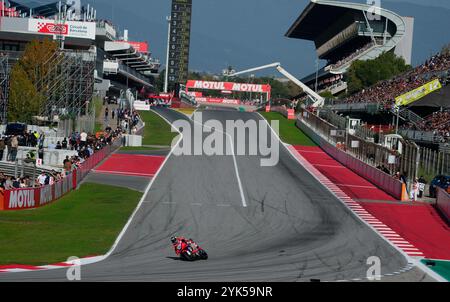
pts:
[443, 203]
[29, 198]
[320, 136]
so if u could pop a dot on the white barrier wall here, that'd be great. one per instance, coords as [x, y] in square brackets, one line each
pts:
[53, 158]
[133, 140]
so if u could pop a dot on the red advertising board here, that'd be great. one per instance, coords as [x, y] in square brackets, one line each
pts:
[291, 114]
[141, 47]
[22, 199]
[228, 86]
[30, 198]
[218, 101]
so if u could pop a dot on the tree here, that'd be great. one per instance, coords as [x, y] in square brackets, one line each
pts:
[24, 100]
[363, 74]
[35, 57]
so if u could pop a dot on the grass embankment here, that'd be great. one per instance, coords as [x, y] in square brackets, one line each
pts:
[289, 133]
[85, 222]
[157, 132]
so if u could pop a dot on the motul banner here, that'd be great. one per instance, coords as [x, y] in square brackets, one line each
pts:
[228, 86]
[30, 198]
[71, 29]
[218, 101]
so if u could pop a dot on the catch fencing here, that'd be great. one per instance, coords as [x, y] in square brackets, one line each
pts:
[29, 198]
[443, 203]
[358, 155]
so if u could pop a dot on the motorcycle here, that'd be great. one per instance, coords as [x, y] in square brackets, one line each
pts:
[190, 251]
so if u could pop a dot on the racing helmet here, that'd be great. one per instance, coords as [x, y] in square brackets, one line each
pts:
[173, 239]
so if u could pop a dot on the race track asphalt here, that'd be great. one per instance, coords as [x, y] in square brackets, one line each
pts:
[293, 228]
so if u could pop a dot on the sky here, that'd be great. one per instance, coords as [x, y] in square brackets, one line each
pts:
[249, 33]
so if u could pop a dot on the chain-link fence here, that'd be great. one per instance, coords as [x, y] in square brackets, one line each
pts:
[403, 156]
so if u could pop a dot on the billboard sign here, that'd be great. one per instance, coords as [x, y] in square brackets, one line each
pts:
[141, 47]
[415, 95]
[70, 29]
[218, 101]
[228, 86]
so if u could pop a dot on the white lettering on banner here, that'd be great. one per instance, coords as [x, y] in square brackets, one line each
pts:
[247, 87]
[20, 199]
[209, 85]
[46, 195]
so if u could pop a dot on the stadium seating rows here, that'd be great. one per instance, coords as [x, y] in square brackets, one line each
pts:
[385, 92]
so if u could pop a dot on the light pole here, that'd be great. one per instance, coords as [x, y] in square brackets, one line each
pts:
[317, 74]
[166, 80]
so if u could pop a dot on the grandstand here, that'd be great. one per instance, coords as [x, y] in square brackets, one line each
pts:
[94, 58]
[345, 32]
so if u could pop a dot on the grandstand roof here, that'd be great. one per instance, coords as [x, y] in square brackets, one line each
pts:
[314, 20]
[46, 10]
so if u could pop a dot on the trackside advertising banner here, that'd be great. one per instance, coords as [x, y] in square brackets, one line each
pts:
[71, 29]
[30, 198]
[228, 86]
[417, 94]
[22, 199]
[218, 101]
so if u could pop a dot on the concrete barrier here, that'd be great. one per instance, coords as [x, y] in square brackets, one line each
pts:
[382, 180]
[443, 203]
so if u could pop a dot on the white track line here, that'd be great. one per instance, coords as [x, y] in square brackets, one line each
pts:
[141, 202]
[241, 188]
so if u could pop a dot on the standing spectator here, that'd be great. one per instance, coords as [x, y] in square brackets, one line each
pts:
[14, 148]
[2, 148]
[113, 114]
[41, 154]
[422, 184]
[42, 178]
[83, 138]
[106, 114]
[414, 190]
[8, 145]
[9, 183]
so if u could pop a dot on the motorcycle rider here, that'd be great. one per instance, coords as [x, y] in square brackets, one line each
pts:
[179, 244]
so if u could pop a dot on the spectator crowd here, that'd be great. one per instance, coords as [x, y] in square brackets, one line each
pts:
[386, 91]
[438, 123]
[85, 144]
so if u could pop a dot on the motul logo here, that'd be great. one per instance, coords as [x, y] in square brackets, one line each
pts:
[228, 86]
[209, 85]
[21, 199]
[247, 87]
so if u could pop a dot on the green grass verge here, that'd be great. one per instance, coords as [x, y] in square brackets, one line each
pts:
[289, 132]
[83, 223]
[442, 268]
[157, 131]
